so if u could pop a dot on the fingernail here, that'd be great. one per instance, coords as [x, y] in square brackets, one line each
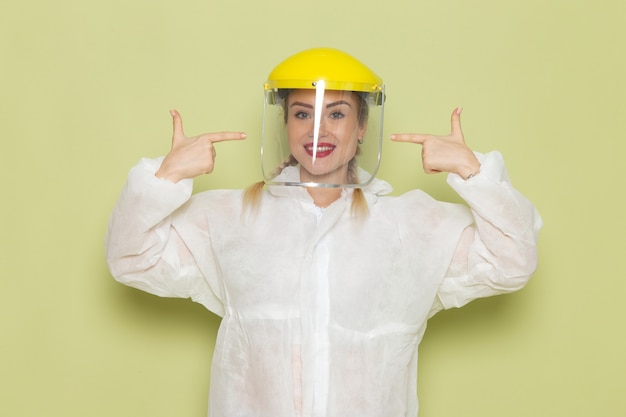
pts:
[459, 110]
[393, 137]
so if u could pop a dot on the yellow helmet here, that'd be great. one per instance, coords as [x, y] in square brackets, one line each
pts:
[339, 70]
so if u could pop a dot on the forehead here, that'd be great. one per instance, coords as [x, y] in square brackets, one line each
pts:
[330, 96]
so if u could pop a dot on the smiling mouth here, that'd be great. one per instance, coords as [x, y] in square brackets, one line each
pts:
[322, 150]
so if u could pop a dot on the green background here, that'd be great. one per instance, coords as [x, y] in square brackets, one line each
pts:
[85, 90]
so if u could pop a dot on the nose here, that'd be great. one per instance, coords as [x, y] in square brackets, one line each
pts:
[321, 129]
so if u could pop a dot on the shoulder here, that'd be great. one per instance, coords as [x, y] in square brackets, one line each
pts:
[417, 208]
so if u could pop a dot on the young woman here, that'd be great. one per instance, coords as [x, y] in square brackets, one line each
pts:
[323, 283]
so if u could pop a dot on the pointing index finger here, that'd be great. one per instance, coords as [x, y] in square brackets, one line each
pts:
[226, 136]
[408, 137]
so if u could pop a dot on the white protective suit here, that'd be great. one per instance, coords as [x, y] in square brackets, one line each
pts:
[322, 313]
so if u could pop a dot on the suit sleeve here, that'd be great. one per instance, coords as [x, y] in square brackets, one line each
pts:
[498, 253]
[143, 247]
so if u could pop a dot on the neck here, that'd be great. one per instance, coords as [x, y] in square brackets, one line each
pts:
[324, 197]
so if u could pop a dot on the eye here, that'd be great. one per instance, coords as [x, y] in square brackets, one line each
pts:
[337, 115]
[301, 115]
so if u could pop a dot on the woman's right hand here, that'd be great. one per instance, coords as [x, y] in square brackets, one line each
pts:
[190, 157]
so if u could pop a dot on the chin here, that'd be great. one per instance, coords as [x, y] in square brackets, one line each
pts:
[320, 175]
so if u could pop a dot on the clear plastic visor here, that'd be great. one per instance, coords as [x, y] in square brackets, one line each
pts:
[333, 138]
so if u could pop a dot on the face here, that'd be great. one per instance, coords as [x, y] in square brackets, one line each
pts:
[337, 138]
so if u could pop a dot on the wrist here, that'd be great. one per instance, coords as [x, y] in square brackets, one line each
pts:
[470, 171]
[164, 174]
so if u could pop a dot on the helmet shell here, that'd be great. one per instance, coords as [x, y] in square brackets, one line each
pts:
[339, 70]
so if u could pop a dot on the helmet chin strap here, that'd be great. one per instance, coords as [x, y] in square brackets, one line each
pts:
[320, 86]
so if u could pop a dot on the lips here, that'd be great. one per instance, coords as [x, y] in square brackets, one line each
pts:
[323, 149]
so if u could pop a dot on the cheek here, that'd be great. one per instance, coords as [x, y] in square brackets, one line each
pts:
[296, 130]
[349, 133]
[294, 138]
[349, 140]
[291, 135]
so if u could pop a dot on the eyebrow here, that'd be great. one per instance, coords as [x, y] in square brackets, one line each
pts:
[309, 106]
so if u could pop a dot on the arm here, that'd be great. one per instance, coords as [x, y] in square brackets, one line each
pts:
[497, 254]
[143, 248]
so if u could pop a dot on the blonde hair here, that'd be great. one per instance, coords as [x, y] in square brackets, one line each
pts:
[252, 195]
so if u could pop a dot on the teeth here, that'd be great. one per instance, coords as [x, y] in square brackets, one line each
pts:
[321, 148]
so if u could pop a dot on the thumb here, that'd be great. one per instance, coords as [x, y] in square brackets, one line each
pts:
[455, 121]
[177, 122]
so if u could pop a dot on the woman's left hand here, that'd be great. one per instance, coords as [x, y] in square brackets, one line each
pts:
[444, 153]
